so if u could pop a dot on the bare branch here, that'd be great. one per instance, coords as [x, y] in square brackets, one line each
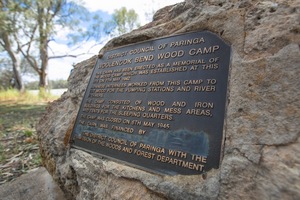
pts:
[31, 38]
[32, 62]
[96, 44]
[64, 56]
[50, 49]
[57, 8]
[2, 44]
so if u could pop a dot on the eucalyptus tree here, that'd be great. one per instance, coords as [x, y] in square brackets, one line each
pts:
[29, 26]
[10, 14]
[6, 74]
[43, 18]
[124, 20]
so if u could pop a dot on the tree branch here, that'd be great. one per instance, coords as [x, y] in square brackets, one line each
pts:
[2, 44]
[64, 56]
[30, 40]
[32, 62]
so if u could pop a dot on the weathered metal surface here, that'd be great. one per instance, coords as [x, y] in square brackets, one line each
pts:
[158, 105]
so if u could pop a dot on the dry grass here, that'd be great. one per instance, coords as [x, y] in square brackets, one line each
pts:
[25, 97]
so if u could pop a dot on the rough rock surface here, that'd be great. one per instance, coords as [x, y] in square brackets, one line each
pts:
[35, 185]
[262, 146]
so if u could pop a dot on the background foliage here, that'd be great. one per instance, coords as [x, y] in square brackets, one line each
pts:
[28, 26]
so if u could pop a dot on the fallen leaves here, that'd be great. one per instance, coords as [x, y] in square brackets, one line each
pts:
[19, 150]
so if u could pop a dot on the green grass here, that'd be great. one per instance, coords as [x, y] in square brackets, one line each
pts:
[28, 133]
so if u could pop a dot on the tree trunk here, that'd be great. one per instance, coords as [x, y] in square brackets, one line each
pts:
[16, 63]
[44, 62]
[43, 82]
[17, 74]
[43, 47]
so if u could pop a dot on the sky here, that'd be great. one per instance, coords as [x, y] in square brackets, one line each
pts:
[60, 68]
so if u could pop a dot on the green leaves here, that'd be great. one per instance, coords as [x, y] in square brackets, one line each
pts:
[125, 20]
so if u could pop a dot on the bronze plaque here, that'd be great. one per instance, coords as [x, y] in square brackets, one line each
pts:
[158, 105]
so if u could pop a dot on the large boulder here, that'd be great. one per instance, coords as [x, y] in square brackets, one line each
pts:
[260, 153]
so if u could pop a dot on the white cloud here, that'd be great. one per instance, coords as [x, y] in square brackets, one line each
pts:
[60, 68]
[140, 6]
[111, 5]
[62, 32]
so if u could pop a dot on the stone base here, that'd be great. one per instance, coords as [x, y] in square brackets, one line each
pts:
[36, 185]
